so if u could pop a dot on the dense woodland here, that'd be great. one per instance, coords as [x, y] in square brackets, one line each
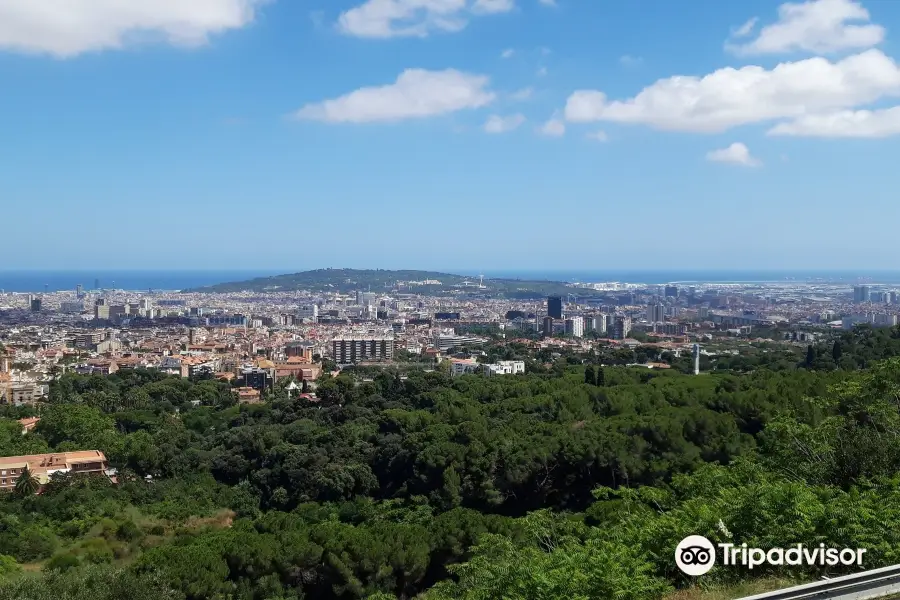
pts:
[575, 480]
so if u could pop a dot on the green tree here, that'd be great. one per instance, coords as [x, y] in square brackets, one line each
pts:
[601, 377]
[560, 564]
[589, 376]
[810, 356]
[836, 352]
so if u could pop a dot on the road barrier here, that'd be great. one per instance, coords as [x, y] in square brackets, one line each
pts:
[875, 583]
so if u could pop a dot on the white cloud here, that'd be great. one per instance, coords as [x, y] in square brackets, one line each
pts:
[598, 136]
[736, 154]
[522, 95]
[731, 97]
[844, 124]
[508, 53]
[414, 18]
[416, 93]
[498, 124]
[548, 2]
[542, 72]
[630, 61]
[555, 127]
[493, 6]
[66, 28]
[817, 26]
[745, 29]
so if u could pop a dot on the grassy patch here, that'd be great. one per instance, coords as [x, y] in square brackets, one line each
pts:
[750, 588]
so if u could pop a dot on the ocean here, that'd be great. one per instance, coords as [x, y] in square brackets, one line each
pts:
[702, 276]
[35, 281]
[161, 280]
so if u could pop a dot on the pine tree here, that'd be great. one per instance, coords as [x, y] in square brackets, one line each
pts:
[589, 376]
[837, 352]
[601, 377]
[451, 491]
[810, 356]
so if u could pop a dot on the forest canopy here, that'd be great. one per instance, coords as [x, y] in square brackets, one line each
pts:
[553, 484]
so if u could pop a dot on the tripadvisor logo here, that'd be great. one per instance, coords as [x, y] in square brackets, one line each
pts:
[696, 555]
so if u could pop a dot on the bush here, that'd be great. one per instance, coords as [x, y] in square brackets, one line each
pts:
[96, 551]
[91, 583]
[128, 531]
[62, 562]
[8, 566]
[35, 543]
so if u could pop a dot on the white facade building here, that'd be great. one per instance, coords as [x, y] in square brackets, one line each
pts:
[575, 327]
[505, 367]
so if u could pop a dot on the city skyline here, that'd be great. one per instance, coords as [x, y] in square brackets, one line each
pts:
[544, 134]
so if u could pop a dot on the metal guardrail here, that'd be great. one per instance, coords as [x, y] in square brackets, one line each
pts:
[875, 583]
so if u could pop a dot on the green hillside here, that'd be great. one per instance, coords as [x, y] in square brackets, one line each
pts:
[380, 280]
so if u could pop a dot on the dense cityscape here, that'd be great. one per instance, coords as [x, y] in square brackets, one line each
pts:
[255, 338]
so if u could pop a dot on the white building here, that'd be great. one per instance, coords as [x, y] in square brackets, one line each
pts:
[883, 320]
[446, 341]
[505, 367]
[308, 311]
[575, 327]
[463, 366]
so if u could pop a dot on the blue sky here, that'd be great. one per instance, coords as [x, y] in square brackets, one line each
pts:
[467, 134]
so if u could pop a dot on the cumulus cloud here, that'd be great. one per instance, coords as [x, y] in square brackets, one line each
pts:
[555, 127]
[817, 26]
[735, 154]
[844, 124]
[67, 28]
[745, 29]
[731, 97]
[493, 6]
[414, 18]
[416, 93]
[498, 124]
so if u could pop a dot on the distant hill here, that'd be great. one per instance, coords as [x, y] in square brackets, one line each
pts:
[381, 280]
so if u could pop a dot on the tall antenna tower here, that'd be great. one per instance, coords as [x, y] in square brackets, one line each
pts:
[696, 352]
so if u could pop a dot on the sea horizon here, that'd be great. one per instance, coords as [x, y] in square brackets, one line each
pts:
[54, 280]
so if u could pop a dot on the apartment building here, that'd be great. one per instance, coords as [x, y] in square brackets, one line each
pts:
[463, 366]
[301, 349]
[621, 327]
[575, 327]
[43, 466]
[445, 342]
[308, 311]
[348, 350]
